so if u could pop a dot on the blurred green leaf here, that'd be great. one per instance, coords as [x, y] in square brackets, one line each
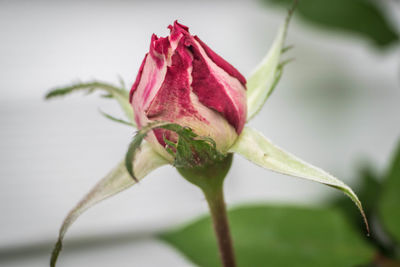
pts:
[363, 17]
[277, 236]
[389, 203]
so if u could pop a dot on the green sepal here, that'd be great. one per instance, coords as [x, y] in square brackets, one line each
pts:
[117, 180]
[191, 150]
[263, 80]
[255, 147]
[114, 119]
[121, 95]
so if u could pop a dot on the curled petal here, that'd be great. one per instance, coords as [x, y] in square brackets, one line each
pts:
[183, 81]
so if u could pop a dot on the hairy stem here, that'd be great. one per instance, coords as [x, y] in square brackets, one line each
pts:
[210, 179]
[216, 203]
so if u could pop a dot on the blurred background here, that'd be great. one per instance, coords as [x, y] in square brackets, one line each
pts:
[337, 106]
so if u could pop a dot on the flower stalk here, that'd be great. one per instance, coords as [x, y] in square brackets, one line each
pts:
[219, 216]
[210, 179]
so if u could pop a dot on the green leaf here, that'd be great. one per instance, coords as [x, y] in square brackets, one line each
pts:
[258, 149]
[363, 18]
[389, 204]
[267, 74]
[267, 235]
[119, 94]
[189, 151]
[114, 182]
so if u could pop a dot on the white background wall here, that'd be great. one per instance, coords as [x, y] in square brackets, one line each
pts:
[336, 106]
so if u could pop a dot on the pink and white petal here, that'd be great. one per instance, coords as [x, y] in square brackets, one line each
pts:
[152, 77]
[218, 128]
[222, 63]
[218, 90]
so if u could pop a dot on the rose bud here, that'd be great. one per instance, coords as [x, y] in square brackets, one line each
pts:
[181, 80]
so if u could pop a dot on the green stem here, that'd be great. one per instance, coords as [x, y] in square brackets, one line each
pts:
[216, 203]
[210, 179]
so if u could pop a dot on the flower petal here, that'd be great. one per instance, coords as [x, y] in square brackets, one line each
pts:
[148, 81]
[264, 78]
[258, 149]
[116, 181]
[218, 86]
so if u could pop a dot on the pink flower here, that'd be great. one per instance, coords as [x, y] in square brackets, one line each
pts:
[183, 83]
[181, 80]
